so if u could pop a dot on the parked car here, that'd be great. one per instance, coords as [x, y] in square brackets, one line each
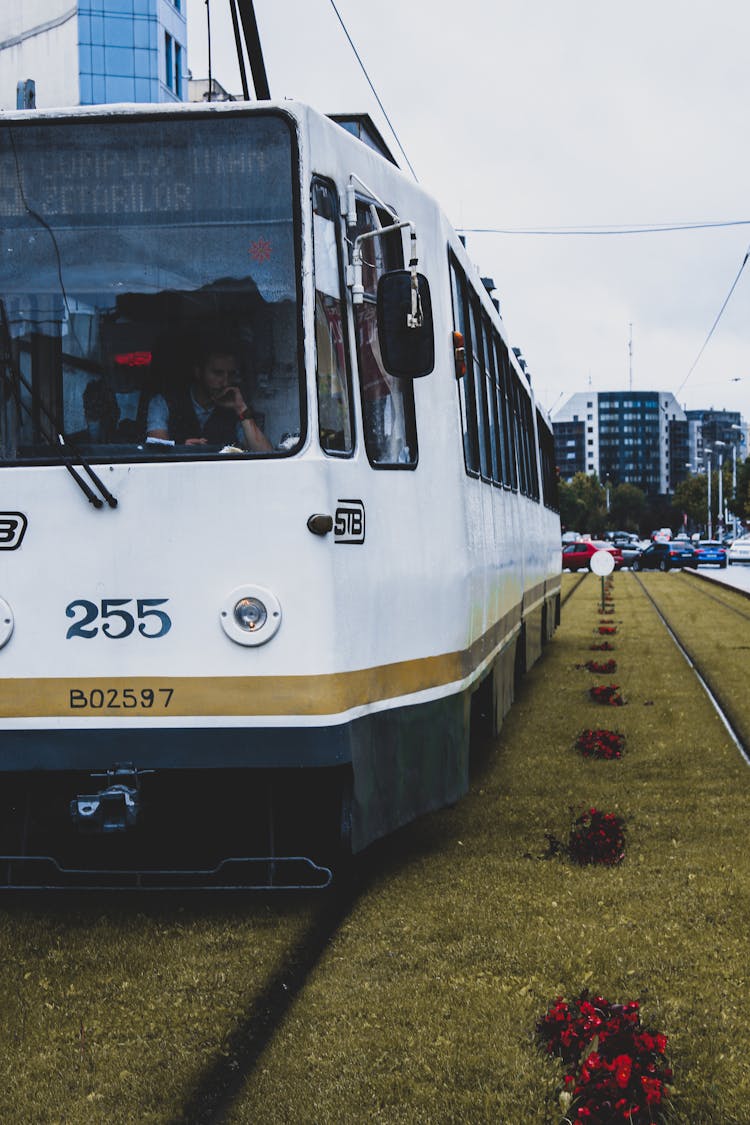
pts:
[664, 556]
[620, 537]
[577, 556]
[739, 552]
[710, 551]
[633, 550]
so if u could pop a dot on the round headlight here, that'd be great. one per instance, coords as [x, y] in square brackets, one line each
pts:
[6, 622]
[250, 613]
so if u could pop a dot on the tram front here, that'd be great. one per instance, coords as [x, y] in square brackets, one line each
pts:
[155, 535]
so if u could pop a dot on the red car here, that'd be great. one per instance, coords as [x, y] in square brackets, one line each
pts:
[577, 556]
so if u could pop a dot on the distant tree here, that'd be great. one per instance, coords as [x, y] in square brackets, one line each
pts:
[627, 507]
[740, 503]
[691, 496]
[572, 510]
[583, 504]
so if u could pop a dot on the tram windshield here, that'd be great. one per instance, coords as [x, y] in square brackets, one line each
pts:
[149, 288]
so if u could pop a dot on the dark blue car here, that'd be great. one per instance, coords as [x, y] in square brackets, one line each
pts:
[664, 556]
[709, 551]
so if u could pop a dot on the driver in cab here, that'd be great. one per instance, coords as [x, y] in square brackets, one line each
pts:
[211, 410]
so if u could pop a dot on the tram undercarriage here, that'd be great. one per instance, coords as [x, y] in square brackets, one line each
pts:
[170, 829]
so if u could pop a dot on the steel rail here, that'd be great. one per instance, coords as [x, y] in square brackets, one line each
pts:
[708, 580]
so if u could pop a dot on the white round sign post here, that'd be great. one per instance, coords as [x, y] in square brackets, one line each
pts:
[602, 563]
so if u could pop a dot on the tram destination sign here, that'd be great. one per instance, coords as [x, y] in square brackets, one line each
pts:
[91, 172]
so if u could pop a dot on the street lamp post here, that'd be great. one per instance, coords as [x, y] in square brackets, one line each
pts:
[708, 454]
[720, 446]
[734, 479]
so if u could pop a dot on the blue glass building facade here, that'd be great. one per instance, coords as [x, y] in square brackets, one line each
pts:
[132, 51]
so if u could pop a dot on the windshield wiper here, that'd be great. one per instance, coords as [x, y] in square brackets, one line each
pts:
[66, 453]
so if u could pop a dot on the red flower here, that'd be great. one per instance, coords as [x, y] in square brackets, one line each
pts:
[605, 667]
[597, 837]
[624, 1078]
[606, 744]
[623, 1067]
[607, 693]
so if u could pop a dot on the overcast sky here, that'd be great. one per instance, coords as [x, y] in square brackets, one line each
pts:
[542, 113]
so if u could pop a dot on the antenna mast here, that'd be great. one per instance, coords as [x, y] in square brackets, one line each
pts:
[630, 358]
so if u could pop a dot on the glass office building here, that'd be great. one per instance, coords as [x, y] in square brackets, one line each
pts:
[94, 51]
[131, 51]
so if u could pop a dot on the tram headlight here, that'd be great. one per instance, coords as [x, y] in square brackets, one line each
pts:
[6, 622]
[250, 615]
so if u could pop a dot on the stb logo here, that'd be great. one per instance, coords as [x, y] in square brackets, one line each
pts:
[12, 530]
[349, 522]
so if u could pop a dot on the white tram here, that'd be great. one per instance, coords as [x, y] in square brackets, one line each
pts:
[218, 654]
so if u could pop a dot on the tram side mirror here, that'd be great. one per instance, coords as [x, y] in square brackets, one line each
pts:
[405, 329]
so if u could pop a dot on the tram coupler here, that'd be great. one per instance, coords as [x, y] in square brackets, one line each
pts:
[115, 808]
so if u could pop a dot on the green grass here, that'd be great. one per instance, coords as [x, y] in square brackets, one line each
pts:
[424, 1008]
[109, 1009]
[714, 633]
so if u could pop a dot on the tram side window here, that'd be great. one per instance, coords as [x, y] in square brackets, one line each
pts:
[491, 388]
[550, 491]
[506, 402]
[465, 382]
[480, 388]
[523, 481]
[332, 376]
[387, 402]
[533, 459]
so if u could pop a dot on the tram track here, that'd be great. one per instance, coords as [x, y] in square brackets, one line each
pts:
[697, 643]
[223, 1080]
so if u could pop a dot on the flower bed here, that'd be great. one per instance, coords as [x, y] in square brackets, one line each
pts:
[606, 667]
[606, 744]
[597, 837]
[608, 694]
[607, 630]
[616, 1070]
[602, 646]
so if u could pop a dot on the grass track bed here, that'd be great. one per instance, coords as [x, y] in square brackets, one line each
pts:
[713, 624]
[424, 1006]
[111, 1009]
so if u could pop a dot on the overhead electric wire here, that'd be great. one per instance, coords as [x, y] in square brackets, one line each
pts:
[718, 318]
[646, 228]
[375, 93]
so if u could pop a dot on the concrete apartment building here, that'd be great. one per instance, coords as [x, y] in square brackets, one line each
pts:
[633, 437]
[90, 52]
